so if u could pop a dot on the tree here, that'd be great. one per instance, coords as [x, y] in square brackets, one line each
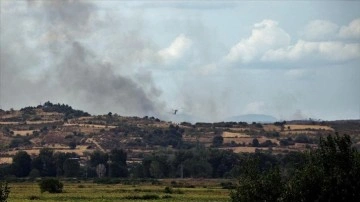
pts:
[330, 173]
[118, 167]
[51, 185]
[256, 185]
[255, 142]
[21, 165]
[45, 163]
[4, 191]
[217, 141]
[98, 157]
[71, 167]
[72, 144]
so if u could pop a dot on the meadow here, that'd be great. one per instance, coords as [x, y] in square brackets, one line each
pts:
[88, 191]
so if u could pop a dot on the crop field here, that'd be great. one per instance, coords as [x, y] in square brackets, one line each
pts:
[99, 192]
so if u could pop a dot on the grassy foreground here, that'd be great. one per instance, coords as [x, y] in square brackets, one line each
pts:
[128, 193]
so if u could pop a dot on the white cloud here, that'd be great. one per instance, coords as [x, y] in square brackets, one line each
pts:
[328, 51]
[176, 49]
[352, 30]
[265, 35]
[320, 30]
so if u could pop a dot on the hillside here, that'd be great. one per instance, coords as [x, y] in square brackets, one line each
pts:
[65, 129]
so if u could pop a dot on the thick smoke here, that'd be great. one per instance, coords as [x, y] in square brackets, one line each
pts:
[56, 44]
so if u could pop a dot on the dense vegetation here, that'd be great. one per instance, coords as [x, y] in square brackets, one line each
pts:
[4, 191]
[198, 162]
[330, 173]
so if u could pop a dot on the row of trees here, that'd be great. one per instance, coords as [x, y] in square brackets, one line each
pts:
[50, 164]
[196, 162]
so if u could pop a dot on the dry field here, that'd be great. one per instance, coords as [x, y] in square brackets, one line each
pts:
[23, 132]
[5, 160]
[307, 127]
[234, 135]
[270, 128]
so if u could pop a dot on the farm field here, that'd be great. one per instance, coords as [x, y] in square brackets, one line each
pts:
[99, 192]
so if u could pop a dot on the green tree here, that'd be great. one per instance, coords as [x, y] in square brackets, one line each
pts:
[45, 162]
[118, 167]
[71, 167]
[98, 157]
[51, 185]
[217, 141]
[256, 185]
[21, 165]
[255, 142]
[330, 173]
[4, 191]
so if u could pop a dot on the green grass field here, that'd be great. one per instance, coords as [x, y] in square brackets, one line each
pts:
[128, 193]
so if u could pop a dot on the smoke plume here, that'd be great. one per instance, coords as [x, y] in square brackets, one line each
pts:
[55, 41]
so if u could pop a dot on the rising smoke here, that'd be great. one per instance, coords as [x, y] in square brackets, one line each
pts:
[51, 40]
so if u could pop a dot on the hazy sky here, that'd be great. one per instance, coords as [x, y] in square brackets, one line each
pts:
[209, 59]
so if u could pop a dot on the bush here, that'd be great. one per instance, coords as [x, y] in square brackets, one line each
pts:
[51, 185]
[4, 191]
[168, 190]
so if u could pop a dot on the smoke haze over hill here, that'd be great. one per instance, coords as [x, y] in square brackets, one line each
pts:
[210, 60]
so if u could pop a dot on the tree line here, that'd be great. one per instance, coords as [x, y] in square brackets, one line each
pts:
[197, 162]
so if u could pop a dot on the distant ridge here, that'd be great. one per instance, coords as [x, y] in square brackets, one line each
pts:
[249, 118]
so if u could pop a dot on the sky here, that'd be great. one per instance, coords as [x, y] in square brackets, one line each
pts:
[208, 59]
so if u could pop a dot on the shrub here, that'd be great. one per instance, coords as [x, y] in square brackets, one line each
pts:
[168, 190]
[51, 185]
[4, 191]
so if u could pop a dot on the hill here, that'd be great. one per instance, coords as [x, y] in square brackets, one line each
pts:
[64, 129]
